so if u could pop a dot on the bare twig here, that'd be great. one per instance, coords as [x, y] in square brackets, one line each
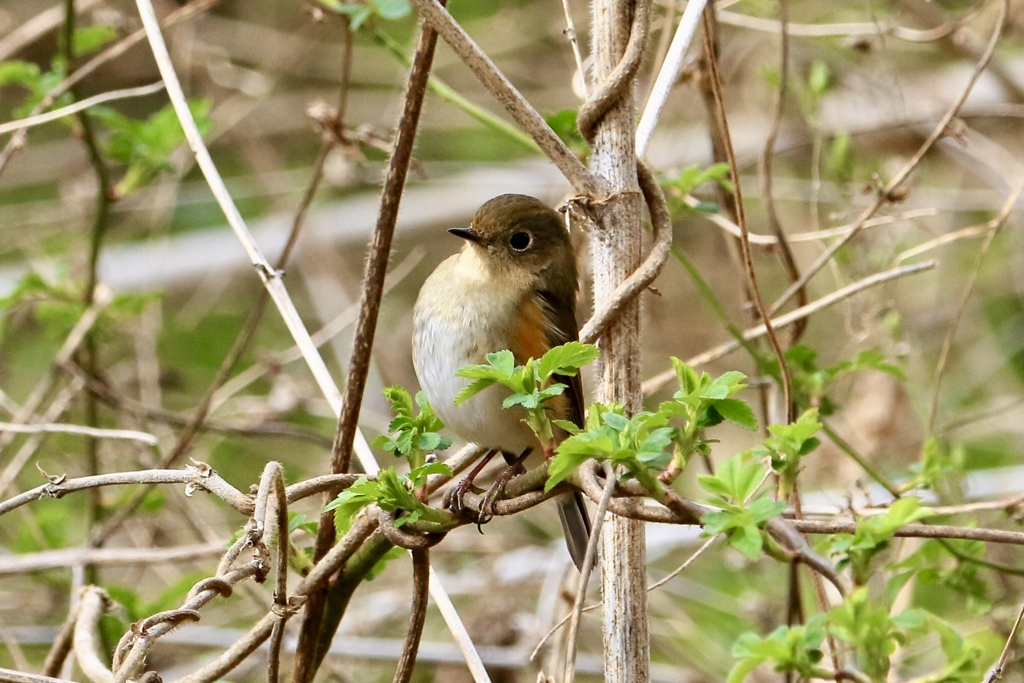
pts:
[570, 35]
[417, 616]
[198, 477]
[521, 111]
[94, 432]
[737, 195]
[659, 380]
[93, 602]
[993, 229]
[81, 105]
[585, 572]
[997, 671]
[668, 74]
[889, 192]
[104, 557]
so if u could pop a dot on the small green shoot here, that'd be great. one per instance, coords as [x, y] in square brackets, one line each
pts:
[787, 446]
[873, 535]
[393, 493]
[638, 444]
[740, 517]
[790, 649]
[411, 435]
[533, 385]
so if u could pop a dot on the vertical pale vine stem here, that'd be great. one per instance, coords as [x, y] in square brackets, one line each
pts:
[615, 252]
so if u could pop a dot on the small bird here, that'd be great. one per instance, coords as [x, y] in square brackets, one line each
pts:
[512, 286]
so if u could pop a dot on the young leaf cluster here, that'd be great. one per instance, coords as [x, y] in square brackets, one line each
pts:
[144, 147]
[740, 516]
[865, 630]
[786, 446]
[811, 382]
[651, 444]
[638, 444]
[411, 435]
[392, 492]
[873, 535]
[533, 386]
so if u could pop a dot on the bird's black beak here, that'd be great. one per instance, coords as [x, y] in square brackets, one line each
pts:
[465, 233]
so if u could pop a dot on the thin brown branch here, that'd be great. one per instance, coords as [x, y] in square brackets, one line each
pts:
[766, 165]
[993, 229]
[366, 327]
[658, 381]
[521, 111]
[741, 220]
[890, 191]
[417, 616]
[997, 671]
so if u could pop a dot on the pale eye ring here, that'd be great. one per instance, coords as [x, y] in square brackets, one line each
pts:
[520, 241]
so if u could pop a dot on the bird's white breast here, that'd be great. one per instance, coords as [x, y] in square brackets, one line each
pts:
[460, 316]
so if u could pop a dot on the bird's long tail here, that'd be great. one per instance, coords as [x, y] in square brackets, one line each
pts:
[572, 511]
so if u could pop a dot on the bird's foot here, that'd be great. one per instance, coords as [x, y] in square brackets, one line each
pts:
[454, 499]
[497, 490]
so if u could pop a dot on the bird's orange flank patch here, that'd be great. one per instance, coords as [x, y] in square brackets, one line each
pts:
[527, 332]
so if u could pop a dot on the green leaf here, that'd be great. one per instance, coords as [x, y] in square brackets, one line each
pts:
[502, 361]
[349, 502]
[392, 9]
[617, 422]
[25, 74]
[567, 425]
[726, 385]
[736, 411]
[818, 78]
[566, 359]
[689, 380]
[89, 39]
[736, 478]
[472, 389]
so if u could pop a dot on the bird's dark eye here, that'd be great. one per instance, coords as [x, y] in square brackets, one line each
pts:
[520, 241]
